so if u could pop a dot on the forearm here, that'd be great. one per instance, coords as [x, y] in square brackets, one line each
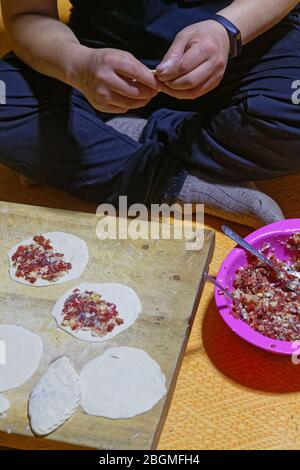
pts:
[113, 81]
[46, 44]
[254, 17]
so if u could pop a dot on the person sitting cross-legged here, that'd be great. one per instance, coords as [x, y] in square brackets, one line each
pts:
[158, 100]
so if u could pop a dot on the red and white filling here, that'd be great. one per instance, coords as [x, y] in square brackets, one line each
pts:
[263, 301]
[39, 261]
[88, 311]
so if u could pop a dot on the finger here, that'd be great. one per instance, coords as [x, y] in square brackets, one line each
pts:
[116, 99]
[134, 90]
[131, 68]
[196, 92]
[173, 55]
[196, 78]
[168, 64]
[191, 59]
[114, 110]
[107, 108]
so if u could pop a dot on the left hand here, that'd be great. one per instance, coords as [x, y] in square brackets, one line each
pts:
[196, 62]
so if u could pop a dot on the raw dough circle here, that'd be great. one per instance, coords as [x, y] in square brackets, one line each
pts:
[74, 249]
[4, 406]
[21, 351]
[122, 383]
[127, 302]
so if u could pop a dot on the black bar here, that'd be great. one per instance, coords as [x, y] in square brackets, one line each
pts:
[143, 459]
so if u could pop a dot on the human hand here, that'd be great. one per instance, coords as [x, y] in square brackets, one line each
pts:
[114, 81]
[196, 62]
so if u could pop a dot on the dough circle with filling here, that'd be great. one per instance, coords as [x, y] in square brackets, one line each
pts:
[126, 300]
[74, 249]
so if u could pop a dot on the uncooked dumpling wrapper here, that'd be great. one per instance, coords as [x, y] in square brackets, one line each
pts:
[21, 351]
[126, 300]
[4, 406]
[74, 249]
[122, 383]
[55, 397]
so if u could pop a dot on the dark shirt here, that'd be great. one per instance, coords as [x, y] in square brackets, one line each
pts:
[145, 28]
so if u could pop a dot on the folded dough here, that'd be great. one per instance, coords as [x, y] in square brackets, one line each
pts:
[55, 397]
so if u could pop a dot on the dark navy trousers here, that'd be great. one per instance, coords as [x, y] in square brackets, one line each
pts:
[246, 129]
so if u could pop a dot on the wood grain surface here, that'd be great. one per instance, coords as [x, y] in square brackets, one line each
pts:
[168, 280]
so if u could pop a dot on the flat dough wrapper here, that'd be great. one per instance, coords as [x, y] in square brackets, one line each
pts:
[55, 397]
[4, 406]
[122, 383]
[23, 351]
[127, 302]
[75, 252]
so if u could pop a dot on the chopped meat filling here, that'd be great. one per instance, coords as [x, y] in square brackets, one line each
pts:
[39, 261]
[89, 311]
[262, 300]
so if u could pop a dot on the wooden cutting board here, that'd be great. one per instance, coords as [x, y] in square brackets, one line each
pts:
[169, 282]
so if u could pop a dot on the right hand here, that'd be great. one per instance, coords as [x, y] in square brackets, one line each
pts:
[114, 81]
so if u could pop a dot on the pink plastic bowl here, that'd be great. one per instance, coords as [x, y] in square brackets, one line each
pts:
[275, 234]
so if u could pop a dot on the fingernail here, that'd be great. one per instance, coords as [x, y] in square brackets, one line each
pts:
[167, 64]
[163, 66]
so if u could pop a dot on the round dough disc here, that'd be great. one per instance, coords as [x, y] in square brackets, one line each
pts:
[127, 302]
[122, 383]
[4, 406]
[75, 252]
[21, 351]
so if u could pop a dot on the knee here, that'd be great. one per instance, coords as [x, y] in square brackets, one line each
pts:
[259, 133]
[275, 129]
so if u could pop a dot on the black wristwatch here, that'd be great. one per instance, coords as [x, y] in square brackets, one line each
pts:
[234, 34]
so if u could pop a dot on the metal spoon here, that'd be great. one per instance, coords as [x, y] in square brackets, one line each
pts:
[216, 283]
[293, 285]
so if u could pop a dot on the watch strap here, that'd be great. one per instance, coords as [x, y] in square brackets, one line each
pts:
[234, 35]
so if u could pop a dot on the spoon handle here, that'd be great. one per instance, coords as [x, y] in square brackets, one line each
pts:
[235, 237]
[216, 283]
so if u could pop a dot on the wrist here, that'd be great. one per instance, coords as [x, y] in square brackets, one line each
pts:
[221, 35]
[233, 34]
[75, 58]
